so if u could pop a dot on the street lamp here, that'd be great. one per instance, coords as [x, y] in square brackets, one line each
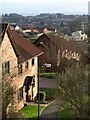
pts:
[46, 65]
[38, 93]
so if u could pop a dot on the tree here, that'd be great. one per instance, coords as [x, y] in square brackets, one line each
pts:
[8, 110]
[73, 89]
[7, 95]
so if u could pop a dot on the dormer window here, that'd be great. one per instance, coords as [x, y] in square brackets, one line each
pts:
[20, 69]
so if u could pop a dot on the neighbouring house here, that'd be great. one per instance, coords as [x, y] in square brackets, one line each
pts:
[29, 29]
[17, 28]
[57, 50]
[79, 36]
[20, 60]
[46, 30]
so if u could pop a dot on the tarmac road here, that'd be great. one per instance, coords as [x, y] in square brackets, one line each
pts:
[48, 83]
[51, 111]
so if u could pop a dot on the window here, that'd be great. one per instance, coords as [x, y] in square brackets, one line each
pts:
[20, 69]
[26, 65]
[6, 68]
[20, 94]
[33, 81]
[32, 61]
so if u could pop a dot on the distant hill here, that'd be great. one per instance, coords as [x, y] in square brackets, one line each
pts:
[61, 22]
[14, 18]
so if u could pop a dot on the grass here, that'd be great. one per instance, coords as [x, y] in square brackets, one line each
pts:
[47, 75]
[30, 111]
[65, 111]
[33, 39]
[50, 93]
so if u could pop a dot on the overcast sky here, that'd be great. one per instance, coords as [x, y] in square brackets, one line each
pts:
[33, 7]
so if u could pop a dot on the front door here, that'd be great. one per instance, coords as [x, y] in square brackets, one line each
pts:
[28, 85]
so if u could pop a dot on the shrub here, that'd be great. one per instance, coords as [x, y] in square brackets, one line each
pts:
[50, 93]
[42, 96]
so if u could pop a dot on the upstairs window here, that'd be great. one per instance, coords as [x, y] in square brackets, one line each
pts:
[20, 69]
[26, 65]
[6, 68]
[33, 62]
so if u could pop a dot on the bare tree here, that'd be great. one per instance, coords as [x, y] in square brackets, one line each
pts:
[7, 95]
[8, 110]
[73, 89]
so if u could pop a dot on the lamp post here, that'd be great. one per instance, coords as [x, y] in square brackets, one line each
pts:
[38, 93]
[46, 65]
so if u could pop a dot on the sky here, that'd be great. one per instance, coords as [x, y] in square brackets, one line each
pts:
[34, 7]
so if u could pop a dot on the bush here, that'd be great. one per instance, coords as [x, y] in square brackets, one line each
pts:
[42, 96]
[50, 93]
[74, 89]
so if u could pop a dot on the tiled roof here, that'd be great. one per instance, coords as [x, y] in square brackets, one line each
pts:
[23, 48]
[62, 44]
[65, 44]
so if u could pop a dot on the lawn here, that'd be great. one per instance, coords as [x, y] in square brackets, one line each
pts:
[30, 111]
[50, 93]
[48, 75]
[65, 112]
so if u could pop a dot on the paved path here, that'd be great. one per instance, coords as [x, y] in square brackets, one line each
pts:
[51, 111]
[36, 104]
[48, 83]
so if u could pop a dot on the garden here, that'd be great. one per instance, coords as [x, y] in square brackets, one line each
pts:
[30, 111]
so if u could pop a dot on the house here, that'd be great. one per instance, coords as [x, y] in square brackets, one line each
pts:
[57, 50]
[17, 28]
[46, 30]
[79, 36]
[20, 61]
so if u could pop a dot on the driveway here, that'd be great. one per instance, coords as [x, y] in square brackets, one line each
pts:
[47, 83]
[51, 111]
